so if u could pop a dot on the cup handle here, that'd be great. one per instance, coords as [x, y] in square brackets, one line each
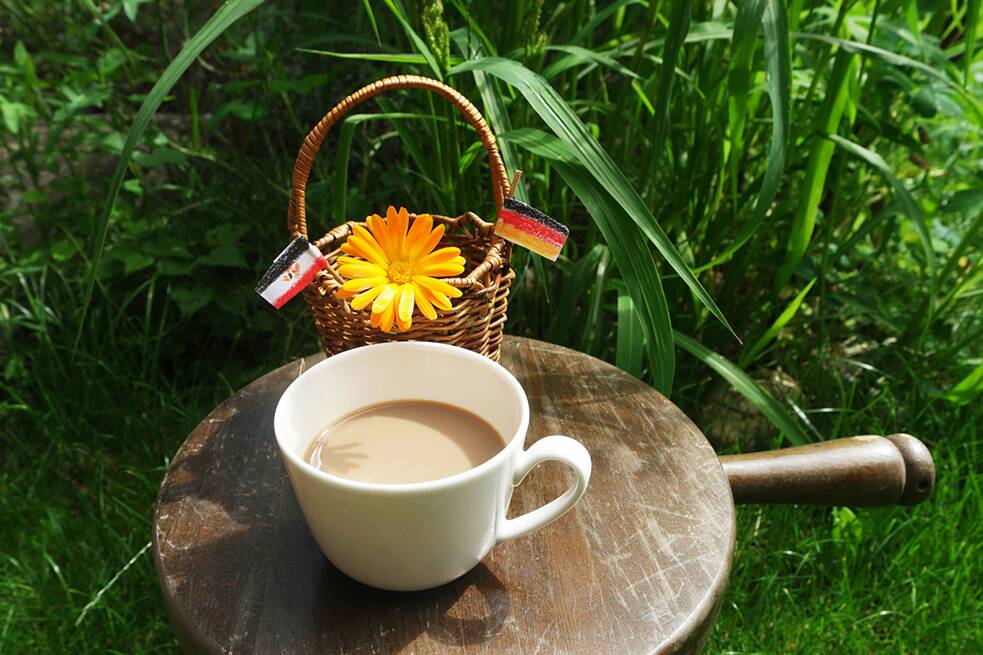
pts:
[548, 449]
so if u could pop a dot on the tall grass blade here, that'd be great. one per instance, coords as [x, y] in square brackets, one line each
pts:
[367, 4]
[396, 7]
[631, 337]
[220, 21]
[575, 287]
[972, 18]
[811, 188]
[638, 268]
[577, 56]
[600, 16]
[747, 387]
[787, 315]
[746, 25]
[388, 57]
[778, 69]
[676, 33]
[632, 255]
[910, 206]
[898, 60]
[565, 123]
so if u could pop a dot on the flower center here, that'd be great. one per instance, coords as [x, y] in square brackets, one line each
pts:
[400, 272]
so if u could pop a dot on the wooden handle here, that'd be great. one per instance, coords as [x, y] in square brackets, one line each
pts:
[857, 471]
[297, 211]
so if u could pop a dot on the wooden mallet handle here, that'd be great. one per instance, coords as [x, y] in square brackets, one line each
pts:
[856, 471]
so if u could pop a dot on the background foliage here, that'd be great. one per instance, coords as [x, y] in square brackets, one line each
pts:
[789, 193]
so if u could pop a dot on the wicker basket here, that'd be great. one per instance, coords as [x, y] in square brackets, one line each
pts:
[477, 318]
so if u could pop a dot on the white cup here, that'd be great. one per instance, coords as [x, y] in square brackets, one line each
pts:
[405, 537]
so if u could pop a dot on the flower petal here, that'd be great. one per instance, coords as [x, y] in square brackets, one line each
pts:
[380, 230]
[387, 317]
[426, 245]
[363, 283]
[437, 286]
[446, 269]
[364, 245]
[362, 300]
[361, 269]
[404, 310]
[426, 308]
[419, 231]
[384, 299]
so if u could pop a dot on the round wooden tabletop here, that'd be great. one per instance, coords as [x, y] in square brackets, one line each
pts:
[639, 566]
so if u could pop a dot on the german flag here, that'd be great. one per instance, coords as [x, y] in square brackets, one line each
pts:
[530, 228]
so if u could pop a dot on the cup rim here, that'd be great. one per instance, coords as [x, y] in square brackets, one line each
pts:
[279, 428]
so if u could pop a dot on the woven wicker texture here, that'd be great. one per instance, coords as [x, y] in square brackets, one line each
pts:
[477, 318]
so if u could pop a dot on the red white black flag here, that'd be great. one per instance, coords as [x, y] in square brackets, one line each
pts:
[292, 270]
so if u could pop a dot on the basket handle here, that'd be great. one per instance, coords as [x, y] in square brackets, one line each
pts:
[297, 212]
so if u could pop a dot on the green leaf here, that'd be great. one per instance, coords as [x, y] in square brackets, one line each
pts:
[397, 10]
[897, 60]
[821, 153]
[565, 123]
[134, 260]
[631, 337]
[778, 68]
[638, 268]
[393, 58]
[224, 255]
[190, 298]
[780, 322]
[676, 34]
[367, 4]
[910, 206]
[743, 384]
[746, 25]
[632, 256]
[972, 18]
[577, 56]
[969, 388]
[226, 15]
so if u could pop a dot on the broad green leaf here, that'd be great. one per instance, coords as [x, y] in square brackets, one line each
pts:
[747, 387]
[638, 268]
[226, 15]
[569, 128]
[787, 314]
[968, 389]
[631, 254]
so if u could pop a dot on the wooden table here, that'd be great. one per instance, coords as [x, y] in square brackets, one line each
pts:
[639, 566]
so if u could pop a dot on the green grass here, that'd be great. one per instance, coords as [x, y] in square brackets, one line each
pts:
[804, 175]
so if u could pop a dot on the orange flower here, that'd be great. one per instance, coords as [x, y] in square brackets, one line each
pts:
[397, 268]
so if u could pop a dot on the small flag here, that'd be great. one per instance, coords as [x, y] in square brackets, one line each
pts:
[292, 270]
[531, 228]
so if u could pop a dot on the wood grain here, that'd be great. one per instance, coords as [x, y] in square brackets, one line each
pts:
[637, 567]
[856, 471]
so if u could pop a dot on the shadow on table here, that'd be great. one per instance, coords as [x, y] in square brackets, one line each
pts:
[240, 570]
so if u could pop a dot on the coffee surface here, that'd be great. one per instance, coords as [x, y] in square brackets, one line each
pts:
[404, 441]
